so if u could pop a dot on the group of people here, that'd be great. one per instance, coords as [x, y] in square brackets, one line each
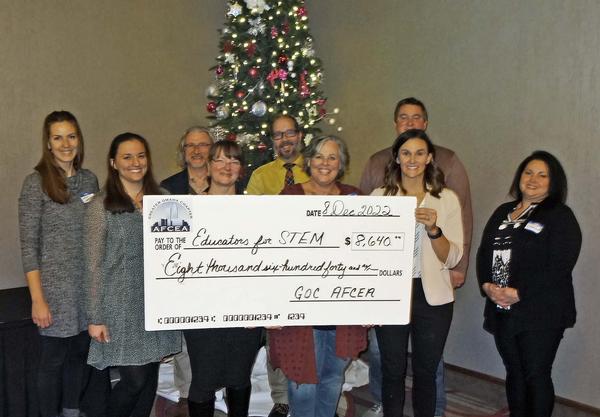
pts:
[82, 250]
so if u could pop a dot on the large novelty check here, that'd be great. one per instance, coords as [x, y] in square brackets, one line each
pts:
[243, 261]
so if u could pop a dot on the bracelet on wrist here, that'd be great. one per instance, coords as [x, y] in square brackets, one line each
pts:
[435, 235]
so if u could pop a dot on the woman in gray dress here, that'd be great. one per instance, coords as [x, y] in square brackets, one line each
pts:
[114, 261]
[51, 215]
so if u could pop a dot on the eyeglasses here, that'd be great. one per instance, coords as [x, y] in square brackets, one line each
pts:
[290, 133]
[196, 145]
[220, 163]
[406, 117]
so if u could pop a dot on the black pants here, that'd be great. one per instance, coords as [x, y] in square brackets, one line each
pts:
[238, 401]
[62, 373]
[428, 331]
[134, 394]
[528, 357]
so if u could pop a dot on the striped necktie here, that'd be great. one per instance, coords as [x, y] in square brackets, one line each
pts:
[289, 174]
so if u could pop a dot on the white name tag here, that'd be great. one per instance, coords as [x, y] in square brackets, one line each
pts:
[86, 198]
[534, 227]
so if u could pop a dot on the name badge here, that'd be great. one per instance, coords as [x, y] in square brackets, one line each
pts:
[534, 227]
[86, 197]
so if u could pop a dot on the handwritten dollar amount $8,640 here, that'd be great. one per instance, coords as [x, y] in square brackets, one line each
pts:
[375, 241]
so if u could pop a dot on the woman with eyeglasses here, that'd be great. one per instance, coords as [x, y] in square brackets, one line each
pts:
[51, 216]
[438, 248]
[114, 266]
[222, 357]
[314, 357]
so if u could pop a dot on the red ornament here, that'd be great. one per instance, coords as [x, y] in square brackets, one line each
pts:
[273, 75]
[251, 49]
[253, 72]
[274, 32]
[219, 70]
[231, 137]
[227, 46]
[240, 94]
[321, 101]
[282, 59]
[261, 147]
[211, 106]
[301, 11]
[282, 74]
[304, 90]
[285, 28]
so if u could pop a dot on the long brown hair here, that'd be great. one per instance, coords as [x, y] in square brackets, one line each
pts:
[433, 180]
[116, 200]
[54, 182]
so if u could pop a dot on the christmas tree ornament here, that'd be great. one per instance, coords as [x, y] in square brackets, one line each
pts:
[218, 133]
[211, 106]
[234, 10]
[261, 88]
[227, 46]
[282, 59]
[257, 6]
[274, 32]
[301, 12]
[256, 26]
[290, 65]
[211, 91]
[303, 86]
[259, 109]
[240, 94]
[219, 70]
[231, 136]
[273, 75]
[251, 49]
[261, 147]
[222, 112]
[230, 58]
[253, 72]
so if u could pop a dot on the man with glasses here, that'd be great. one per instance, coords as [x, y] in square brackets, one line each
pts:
[192, 156]
[410, 113]
[286, 169]
[270, 179]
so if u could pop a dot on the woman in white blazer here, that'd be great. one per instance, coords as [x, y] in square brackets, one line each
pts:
[438, 248]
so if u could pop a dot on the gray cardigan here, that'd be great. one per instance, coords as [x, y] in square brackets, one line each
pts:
[51, 242]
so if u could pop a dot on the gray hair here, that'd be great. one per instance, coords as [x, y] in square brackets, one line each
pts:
[315, 147]
[181, 149]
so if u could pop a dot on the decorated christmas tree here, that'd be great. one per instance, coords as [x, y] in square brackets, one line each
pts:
[267, 66]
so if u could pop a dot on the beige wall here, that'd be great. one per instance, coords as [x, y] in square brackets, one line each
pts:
[139, 66]
[500, 78]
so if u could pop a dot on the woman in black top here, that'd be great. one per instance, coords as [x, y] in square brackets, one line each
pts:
[524, 264]
[222, 357]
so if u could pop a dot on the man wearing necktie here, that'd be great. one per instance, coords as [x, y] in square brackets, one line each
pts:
[286, 169]
[270, 179]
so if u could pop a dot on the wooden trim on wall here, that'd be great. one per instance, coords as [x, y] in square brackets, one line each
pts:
[499, 381]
